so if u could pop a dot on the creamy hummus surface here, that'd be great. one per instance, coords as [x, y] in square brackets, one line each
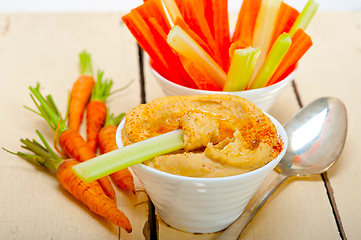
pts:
[223, 135]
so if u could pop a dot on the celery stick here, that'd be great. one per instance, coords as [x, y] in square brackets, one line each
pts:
[181, 42]
[130, 155]
[305, 17]
[263, 29]
[241, 69]
[273, 60]
[172, 9]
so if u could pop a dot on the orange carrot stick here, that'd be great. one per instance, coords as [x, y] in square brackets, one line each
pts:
[154, 9]
[301, 42]
[286, 16]
[208, 13]
[140, 30]
[176, 71]
[90, 194]
[198, 75]
[70, 140]
[81, 92]
[221, 30]
[107, 143]
[194, 17]
[240, 44]
[246, 19]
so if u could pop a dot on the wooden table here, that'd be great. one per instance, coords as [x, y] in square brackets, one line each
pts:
[44, 48]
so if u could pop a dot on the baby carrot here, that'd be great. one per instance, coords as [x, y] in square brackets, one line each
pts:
[97, 110]
[107, 143]
[90, 194]
[81, 92]
[70, 140]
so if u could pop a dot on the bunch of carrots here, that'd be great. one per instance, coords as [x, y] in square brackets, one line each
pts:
[189, 42]
[87, 95]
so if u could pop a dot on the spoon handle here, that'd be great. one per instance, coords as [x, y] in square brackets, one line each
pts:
[238, 226]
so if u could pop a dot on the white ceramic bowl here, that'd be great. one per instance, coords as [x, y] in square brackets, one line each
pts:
[202, 205]
[263, 98]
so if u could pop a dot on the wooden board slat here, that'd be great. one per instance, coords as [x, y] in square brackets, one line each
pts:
[331, 68]
[44, 48]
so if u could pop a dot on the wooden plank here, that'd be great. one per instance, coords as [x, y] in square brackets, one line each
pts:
[44, 48]
[299, 208]
[331, 68]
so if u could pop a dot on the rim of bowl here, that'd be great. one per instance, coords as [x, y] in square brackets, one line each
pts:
[280, 131]
[246, 92]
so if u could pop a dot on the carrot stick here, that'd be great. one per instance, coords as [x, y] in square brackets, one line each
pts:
[81, 92]
[69, 139]
[246, 19]
[198, 75]
[97, 110]
[240, 44]
[196, 20]
[286, 16]
[90, 194]
[221, 30]
[144, 37]
[208, 13]
[301, 42]
[177, 74]
[107, 143]
[154, 9]
[193, 35]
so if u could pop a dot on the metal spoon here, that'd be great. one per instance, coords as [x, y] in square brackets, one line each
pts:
[317, 134]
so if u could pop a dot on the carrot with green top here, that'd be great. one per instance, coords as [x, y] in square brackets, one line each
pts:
[70, 140]
[97, 110]
[107, 143]
[90, 194]
[81, 92]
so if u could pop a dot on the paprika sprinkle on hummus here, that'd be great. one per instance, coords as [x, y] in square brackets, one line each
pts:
[223, 135]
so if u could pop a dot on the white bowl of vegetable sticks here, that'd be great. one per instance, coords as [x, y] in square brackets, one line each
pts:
[263, 98]
[202, 205]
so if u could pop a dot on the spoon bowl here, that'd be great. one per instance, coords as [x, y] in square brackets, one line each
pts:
[316, 137]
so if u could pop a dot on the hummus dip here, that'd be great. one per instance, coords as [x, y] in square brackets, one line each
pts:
[223, 135]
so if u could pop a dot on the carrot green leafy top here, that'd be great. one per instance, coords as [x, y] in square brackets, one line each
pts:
[47, 110]
[43, 155]
[86, 64]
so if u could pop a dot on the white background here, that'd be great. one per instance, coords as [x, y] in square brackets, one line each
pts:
[16, 6]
